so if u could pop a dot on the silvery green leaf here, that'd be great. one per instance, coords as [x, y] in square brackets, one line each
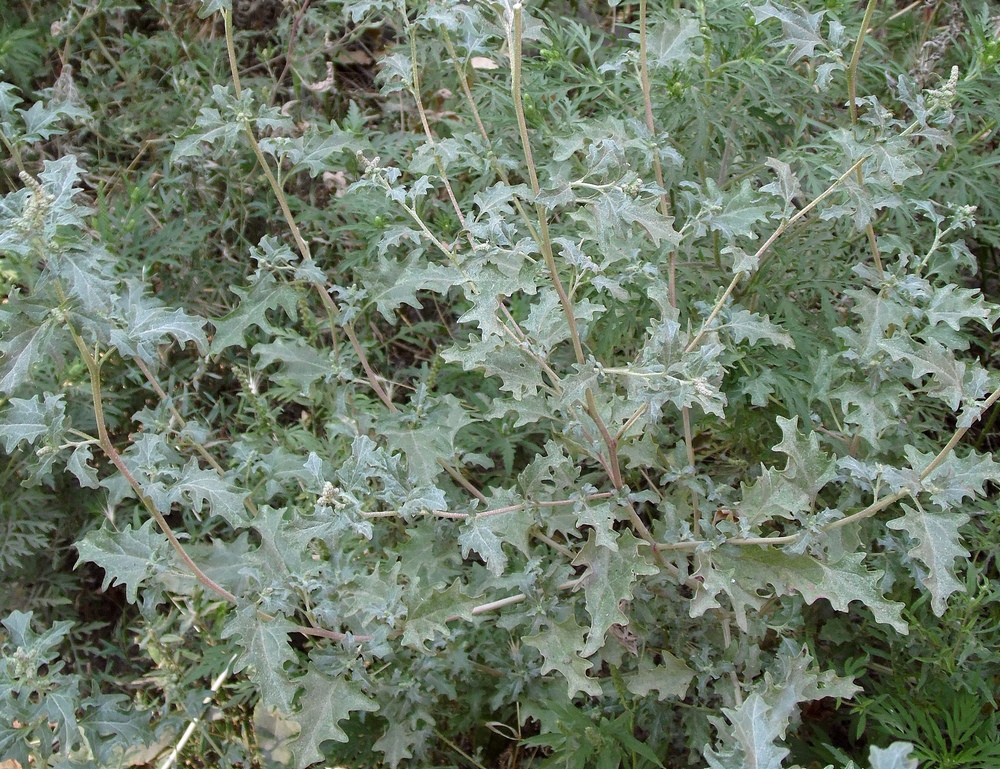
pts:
[28, 420]
[41, 120]
[79, 465]
[325, 702]
[8, 100]
[429, 614]
[300, 364]
[808, 466]
[786, 186]
[608, 583]
[745, 325]
[760, 722]
[560, 644]
[208, 492]
[428, 439]
[263, 295]
[147, 324]
[670, 678]
[840, 582]
[265, 650]
[801, 29]
[133, 558]
[398, 283]
[396, 743]
[771, 495]
[736, 213]
[478, 536]
[669, 41]
[208, 7]
[936, 542]
[395, 73]
[896, 756]
[519, 371]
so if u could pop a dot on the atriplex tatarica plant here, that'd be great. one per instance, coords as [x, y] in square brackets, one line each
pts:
[596, 387]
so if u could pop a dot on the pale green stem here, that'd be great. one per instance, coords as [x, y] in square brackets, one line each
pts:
[852, 68]
[247, 502]
[467, 91]
[764, 248]
[93, 369]
[647, 101]
[545, 242]
[430, 136]
[545, 245]
[867, 512]
[852, 94]
[300, 243]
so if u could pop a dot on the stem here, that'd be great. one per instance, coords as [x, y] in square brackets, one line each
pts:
[430, 136]
[564, 551]
[852, 68]
[212, 461]
[545, 243]
[764, 248]
[463, 79]
[647, 101]
[612, 464]
[174, 754]
[227, 23]
[513, 599]
[461, 480]
[959, 434]
[93, 369]
[300, 242]
[852, 95]
[875, 507]
[291, 47]
[609, 440]
[13, 151]
[497, 510]
[689, 453]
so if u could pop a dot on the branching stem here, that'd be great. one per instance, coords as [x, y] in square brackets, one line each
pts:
[94, 370]
[763, 250]
[867, 512]
[545, 243]
[852, 97]
[300, 242]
